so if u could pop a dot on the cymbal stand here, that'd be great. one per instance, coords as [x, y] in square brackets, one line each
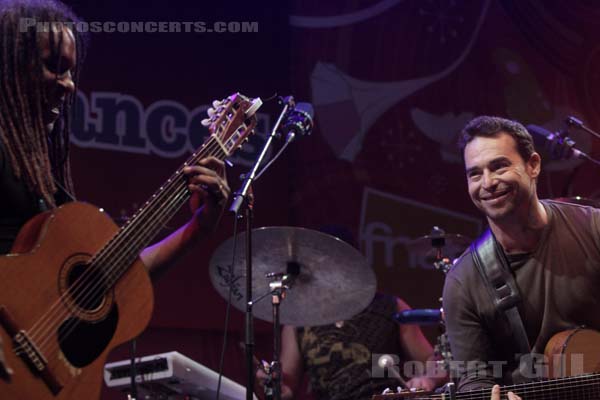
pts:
[438, 242]
[277, 289]
[441, 263]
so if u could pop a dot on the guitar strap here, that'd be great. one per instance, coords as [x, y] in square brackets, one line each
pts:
[491, 262]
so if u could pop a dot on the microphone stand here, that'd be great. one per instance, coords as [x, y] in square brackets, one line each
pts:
[241, 199]
[572, 121]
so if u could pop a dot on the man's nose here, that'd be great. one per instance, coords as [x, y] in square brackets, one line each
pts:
[489, 179]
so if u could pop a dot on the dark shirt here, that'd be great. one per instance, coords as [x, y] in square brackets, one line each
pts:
[17, 204]
[339, 360]
[559, 282]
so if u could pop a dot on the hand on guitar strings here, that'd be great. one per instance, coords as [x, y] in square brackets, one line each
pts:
[496, 394]
[207, 182]
[421, 382]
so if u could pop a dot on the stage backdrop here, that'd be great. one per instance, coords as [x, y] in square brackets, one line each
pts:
[392, 83]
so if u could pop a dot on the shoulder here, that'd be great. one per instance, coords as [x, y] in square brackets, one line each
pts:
[463, 269]
[572, 215]
[563, 209]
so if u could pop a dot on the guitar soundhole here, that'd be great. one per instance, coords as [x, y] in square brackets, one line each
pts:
[87, 286]
[82, 341]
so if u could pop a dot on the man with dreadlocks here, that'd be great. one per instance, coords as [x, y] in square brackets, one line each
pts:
[39, 71]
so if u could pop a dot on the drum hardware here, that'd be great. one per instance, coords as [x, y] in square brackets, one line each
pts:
[439, 248]
[321, 278]
[330, 280]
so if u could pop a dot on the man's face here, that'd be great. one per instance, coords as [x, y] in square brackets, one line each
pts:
[57, 69]
[500, 182]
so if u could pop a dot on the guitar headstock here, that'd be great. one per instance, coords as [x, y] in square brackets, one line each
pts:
[232, 120]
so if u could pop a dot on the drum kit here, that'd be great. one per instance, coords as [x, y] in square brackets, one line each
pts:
[317, 279]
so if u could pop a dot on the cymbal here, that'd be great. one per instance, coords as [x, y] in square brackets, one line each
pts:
[334, 283]
[451, 245]
[584, 201]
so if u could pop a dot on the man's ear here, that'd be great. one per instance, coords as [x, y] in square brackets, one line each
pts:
[534, 165]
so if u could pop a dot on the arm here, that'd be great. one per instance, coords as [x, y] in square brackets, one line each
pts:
[291, 361]
[417, 347]
[291, 364]
[469, 341]
[208, 185]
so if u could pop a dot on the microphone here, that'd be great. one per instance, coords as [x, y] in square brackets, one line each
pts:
[558, 146]
[572, 121]
[577, 123]
[427, 316]
[299, 121]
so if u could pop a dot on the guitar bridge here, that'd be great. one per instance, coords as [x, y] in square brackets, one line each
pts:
[29, 352]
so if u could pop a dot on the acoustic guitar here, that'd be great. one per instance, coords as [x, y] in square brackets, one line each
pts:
[73, 286]
[573, 374]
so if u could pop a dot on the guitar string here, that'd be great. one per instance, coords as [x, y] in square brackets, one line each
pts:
[532, 394]
[172, 207]
[586, 381]
[212, 146]
[109, 249]
[99, 289]
[112, 245]
[228, 104]
[582, 383]
[539, 387]
[76, 290]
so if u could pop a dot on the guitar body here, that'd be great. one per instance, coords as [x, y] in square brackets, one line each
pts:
[573, 352]
[73, 287]
[50, 254]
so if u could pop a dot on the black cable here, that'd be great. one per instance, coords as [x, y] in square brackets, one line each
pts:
[134, 393]
[227, 309]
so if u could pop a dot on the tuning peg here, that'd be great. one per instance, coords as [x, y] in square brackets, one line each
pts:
[211, 112]
[216, 103]
[206, 122]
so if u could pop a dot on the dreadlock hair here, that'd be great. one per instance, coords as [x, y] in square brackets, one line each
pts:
[37, 157]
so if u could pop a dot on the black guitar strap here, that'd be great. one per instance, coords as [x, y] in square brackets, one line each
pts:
[490, 260]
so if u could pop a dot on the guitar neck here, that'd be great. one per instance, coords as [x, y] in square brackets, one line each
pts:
[582, 387]
[573, 388]
[122, 250]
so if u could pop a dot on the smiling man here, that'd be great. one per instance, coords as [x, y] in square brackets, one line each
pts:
[551, 249]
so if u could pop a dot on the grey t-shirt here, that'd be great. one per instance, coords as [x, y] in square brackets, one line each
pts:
[560, 285]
